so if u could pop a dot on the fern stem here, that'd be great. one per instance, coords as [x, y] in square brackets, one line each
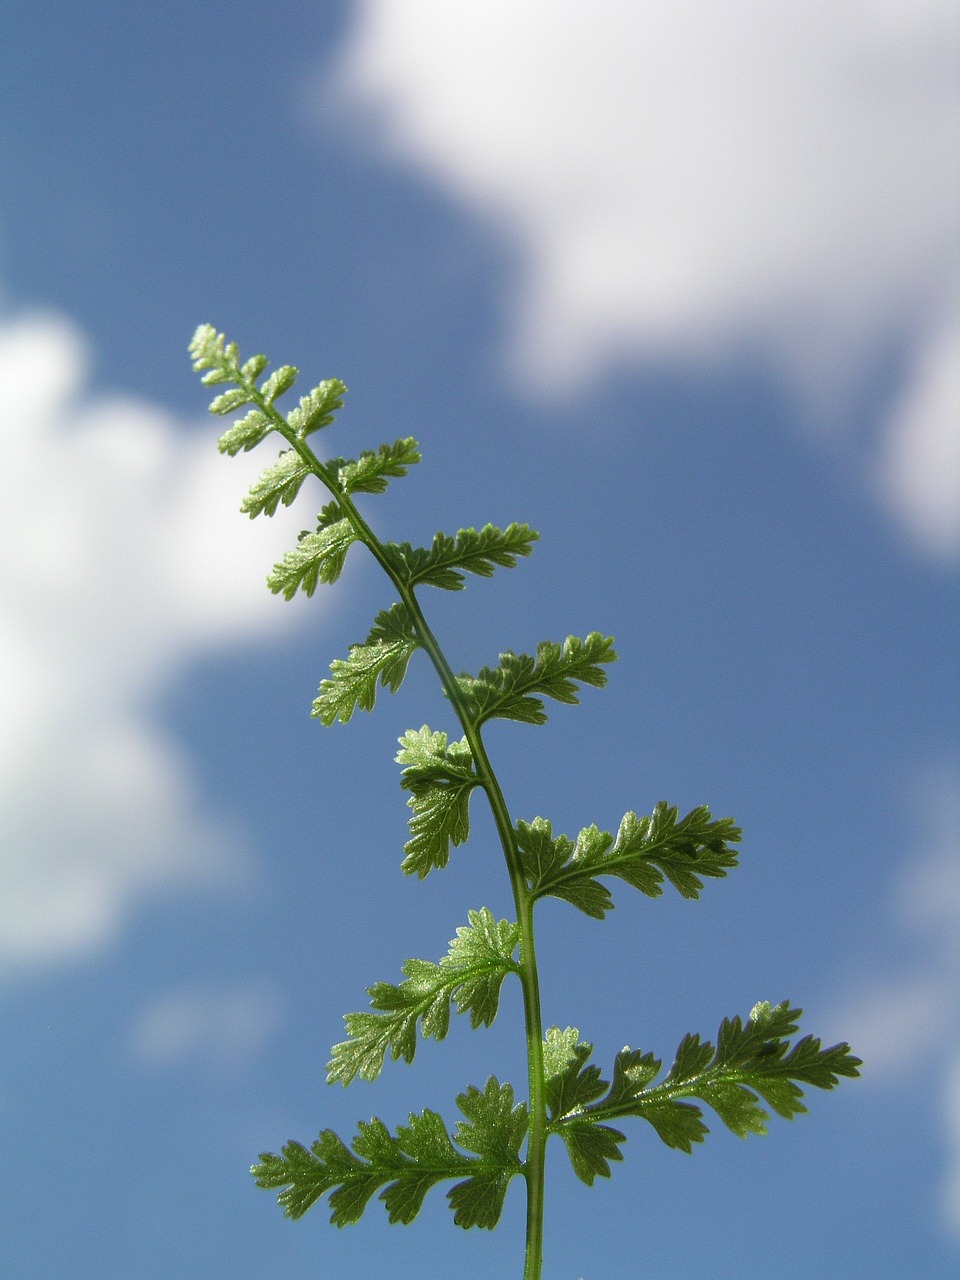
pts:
[535, 1164]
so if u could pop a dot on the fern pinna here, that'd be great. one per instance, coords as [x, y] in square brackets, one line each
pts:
[498, 1135]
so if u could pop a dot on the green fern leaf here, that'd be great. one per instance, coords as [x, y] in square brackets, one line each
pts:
[318, 557]
[751, 1060]
[371, 472]
[646, 851]
[383, 657]
[208, 349]
[591, 1147]
[246, 433]
[509, 690]
[545, 856]
[279, 483]
[251, 369]
[470, 974]
[571, 1085]
[444, 563]
[317, 409]
[441, 779]
[495, 1128]
[280, 380]
[230, 400]
[408, 1164]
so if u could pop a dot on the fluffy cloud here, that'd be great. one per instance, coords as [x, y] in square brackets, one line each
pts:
[687, 181]
[122, 559]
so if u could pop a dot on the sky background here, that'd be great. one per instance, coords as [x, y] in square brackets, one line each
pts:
[677, 285]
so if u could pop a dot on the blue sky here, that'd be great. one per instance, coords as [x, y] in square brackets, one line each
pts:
[675, 284]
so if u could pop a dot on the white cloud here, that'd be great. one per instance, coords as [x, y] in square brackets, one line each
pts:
[123, 558]
[214, 1025]
[686, 181]
[918, 469]
[893, 1022]
[909, 1013]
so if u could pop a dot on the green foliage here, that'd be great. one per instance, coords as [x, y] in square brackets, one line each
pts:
[280, 380]
[495, 1129]
[752, 1063]
[318, 409]
[220, 359]
[407, 1165]
[751, 1060]
[441, 779]
[329, 515]
[383, 657]
[317, 557]
[245, 433]
[279, 483]
[371, 472]
[509, 690]
[470, 974]
[230, 400]
[645, 851]
[472, 552]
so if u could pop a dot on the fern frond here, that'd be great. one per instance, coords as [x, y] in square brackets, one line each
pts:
[446, 561]
[470, 974]
[318, 557]
[383, 657]
[317, 409]
[441, 779]
[371, 472]
[279, 483]
[407, 1165]
[509, 690]
[645, 852]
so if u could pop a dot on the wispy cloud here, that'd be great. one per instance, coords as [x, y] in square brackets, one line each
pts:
[918, 465]
[122, 559]
[909, 1013]
[951, 1191]
[687, 181]
[207, 1024]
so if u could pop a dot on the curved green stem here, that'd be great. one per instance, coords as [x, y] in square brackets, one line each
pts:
[535, 1164]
